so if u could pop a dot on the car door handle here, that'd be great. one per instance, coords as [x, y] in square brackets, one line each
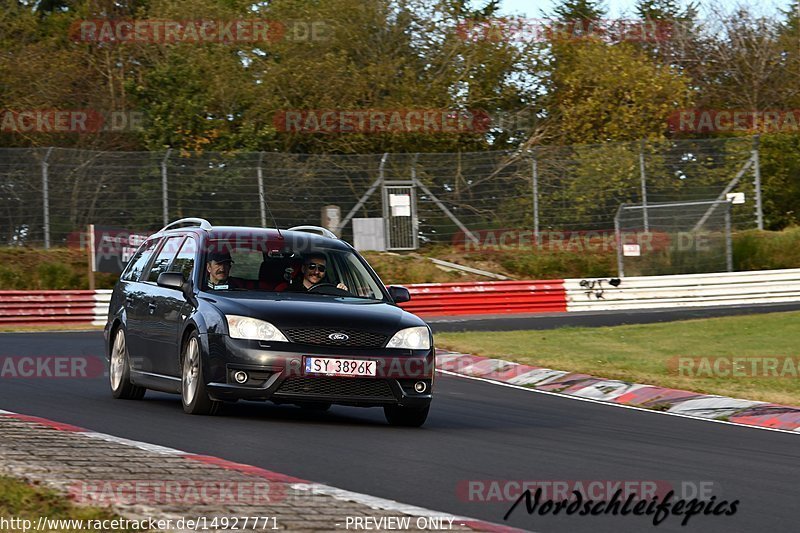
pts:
[129, 300]
[152, 307]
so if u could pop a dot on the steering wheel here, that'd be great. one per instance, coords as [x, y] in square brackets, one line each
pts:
[328, 288]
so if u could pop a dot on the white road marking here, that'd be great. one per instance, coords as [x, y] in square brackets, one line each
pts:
[155, 448]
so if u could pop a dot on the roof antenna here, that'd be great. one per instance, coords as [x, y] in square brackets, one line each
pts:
[280, 236]
[264, 196]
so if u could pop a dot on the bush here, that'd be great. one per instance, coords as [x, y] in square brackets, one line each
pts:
[766, 250]
[58, 276]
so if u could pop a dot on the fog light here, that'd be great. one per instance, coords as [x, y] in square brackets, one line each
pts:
[420, 386]
[240, 376]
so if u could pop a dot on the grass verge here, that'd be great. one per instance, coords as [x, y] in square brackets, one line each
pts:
[647, 353]
[20, 500]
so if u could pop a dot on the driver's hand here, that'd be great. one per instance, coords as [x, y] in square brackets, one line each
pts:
[342, 286]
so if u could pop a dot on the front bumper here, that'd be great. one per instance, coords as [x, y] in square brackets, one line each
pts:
[276, 372]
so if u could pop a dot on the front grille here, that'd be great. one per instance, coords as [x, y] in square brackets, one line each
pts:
[339, 387]
[319, 337]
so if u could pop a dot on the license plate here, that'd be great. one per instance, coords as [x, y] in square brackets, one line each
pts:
[340, 367]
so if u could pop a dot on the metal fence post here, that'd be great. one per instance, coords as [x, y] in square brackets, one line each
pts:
[164, 196]
[535, 180]
[46, 198]
[618, 234]
[728, 239]
[261, 196]
[644, 187]
[757, 181]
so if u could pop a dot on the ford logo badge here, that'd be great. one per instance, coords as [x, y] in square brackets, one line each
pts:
[338, 337]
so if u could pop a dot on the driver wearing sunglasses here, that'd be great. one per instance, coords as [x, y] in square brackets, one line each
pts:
[314, 271]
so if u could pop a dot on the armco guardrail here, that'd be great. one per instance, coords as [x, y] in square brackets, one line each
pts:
[483, 298]
[486, 298]
[691, 290]
[428, 299]
[19, 308]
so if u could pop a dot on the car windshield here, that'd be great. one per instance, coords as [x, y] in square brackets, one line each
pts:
[261, 266]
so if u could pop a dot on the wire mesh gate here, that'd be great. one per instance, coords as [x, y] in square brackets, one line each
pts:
[400, 215]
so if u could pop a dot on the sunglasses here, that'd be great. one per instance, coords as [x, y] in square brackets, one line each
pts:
[314, 266]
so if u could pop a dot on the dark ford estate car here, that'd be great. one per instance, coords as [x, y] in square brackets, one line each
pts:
[292, 316]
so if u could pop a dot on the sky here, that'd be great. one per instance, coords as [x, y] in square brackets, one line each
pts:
[621, 8]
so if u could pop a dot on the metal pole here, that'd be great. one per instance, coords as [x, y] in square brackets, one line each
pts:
[366, 196]
[164, 197]
[261, 197]
[92, 258]
[414, 222]
[387, 228]
[535, 164]
[46, 199]
[644, 187]
[728, 243]
[723, 195]
[618, 234]
[757, 180]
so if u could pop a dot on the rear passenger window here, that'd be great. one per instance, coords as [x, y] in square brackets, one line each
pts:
[184, 261]
[134, 270]
[164, 257]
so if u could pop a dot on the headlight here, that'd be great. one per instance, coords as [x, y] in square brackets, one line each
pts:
[416, 338]
[242, 327]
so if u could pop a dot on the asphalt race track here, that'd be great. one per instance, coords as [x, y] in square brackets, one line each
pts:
[477, 431]
[597, 318]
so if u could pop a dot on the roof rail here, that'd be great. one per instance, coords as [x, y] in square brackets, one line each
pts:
[201, 222]
[322, 231]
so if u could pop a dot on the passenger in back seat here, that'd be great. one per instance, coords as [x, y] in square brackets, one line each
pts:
[274, 275]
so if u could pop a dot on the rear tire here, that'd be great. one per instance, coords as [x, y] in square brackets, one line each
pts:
[406, 416]
[119, 370]
[194, 395]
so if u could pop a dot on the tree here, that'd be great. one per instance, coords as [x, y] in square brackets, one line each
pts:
[579, 10]
[747, 65]
[616, 93]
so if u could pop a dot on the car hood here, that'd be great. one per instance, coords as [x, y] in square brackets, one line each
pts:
[304, 310]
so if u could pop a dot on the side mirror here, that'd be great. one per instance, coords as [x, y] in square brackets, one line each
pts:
[175, 280]
[170, 280]
[399, 294]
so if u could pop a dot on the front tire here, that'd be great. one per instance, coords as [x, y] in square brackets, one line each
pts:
[119, 370]
[406, 416]
[194, 394]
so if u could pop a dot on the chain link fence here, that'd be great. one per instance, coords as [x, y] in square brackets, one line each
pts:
[48, 194]
[689, 237]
